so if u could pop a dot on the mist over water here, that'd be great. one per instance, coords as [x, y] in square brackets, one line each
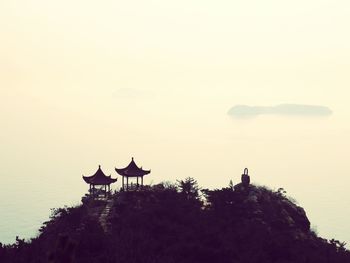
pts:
[280, 152]
[84, 84]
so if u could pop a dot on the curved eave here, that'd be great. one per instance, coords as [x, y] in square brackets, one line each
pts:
[99, 180]
[103, 182]
[113, 180]
[87, 179]
[127, 173]
[146, 172]
[120, 171]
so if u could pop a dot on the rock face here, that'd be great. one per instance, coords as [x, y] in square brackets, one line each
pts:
[273, 208]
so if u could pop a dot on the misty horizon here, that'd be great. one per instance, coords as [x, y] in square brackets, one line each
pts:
[85, 84]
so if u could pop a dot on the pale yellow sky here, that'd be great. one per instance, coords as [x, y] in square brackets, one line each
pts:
[84, 83]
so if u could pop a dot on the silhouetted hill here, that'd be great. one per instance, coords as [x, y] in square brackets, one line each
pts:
[180, 223]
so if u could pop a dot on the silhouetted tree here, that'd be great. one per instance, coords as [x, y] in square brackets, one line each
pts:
[189, 187]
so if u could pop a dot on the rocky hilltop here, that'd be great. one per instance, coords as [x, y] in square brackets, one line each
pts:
[180, 223]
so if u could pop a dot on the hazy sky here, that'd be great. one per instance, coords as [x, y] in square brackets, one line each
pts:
[84, 83]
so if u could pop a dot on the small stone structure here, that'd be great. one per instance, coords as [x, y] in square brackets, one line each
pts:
[245, 178]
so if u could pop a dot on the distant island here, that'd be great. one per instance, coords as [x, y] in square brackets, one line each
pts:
[179, 222]
[299, 110]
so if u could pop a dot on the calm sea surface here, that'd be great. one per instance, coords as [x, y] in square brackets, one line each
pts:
[25, 205]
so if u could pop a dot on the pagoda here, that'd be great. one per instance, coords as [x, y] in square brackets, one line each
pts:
[132, 171]
[99, 179]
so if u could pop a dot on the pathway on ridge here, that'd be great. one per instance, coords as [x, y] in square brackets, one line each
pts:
[103, 219]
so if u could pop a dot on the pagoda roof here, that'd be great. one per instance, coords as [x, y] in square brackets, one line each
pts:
[99, 178]
[132, 170]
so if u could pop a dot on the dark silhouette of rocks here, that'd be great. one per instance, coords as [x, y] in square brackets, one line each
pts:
[180, 223]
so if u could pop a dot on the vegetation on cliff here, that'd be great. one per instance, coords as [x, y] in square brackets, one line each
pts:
[181, 223]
